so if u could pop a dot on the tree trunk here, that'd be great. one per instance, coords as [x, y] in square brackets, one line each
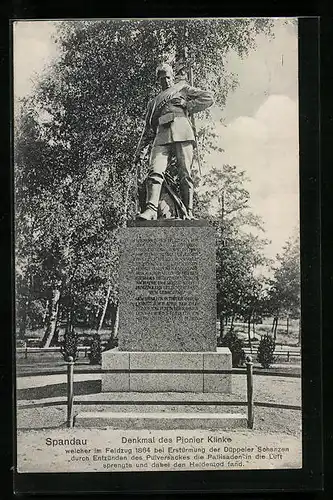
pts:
[24, 318]
[70, 314]
[221, 326]
[113, 310]
[249, 330]
[26, 307]
[52, 318]
[128, 192]
[116, 323]
[96, 318]
[275, 328]
[222, 207]
[104, 309]
[232, 321]
[45, 311]
[288, 324]
[251, 322]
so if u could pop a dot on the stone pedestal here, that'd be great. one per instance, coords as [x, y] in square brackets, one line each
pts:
[167, 287]
[166, 371]
[162, 420]
[167, 312]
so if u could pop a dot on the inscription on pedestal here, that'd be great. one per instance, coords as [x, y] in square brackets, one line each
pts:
[170, 289]
[167, 289]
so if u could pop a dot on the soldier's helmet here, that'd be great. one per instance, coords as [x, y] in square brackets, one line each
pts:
[164, 67]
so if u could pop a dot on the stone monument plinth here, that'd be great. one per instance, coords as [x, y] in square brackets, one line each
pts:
[167, 311]
[167, 290]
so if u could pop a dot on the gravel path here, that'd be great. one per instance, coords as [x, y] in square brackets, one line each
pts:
[39, 418]
[46, 390]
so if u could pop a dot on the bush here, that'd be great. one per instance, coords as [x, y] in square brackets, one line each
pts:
[35, 314]
[95, 354]
[70, 344]
[86, 340]
[265, 354]
[236, 347]
[112, 343]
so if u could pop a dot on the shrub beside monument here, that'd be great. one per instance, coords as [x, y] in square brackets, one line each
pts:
[95, 354]
[236, 347]
[265, 354]
[69, 346]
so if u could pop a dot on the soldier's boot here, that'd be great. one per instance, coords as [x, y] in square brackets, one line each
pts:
[187, 191]
[154, 186]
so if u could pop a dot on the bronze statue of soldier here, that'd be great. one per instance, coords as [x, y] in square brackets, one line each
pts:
[168, 121]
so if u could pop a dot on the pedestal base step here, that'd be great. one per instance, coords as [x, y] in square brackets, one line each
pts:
[161, 420]
[167, 371]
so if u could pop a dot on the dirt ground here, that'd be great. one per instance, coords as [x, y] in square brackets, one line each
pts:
[41, 415]
[44, 391]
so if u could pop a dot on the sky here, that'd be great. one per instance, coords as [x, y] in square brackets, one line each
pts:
[258, 130]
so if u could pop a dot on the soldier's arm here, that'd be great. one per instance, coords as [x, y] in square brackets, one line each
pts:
[198, 99]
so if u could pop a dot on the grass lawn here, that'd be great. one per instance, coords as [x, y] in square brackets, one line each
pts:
[282, 337]
[291, 338]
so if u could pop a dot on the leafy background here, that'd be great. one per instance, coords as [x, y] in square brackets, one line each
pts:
[75, 136]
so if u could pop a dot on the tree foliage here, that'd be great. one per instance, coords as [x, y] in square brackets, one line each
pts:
[225, 202]
[284, 292]
[74, 143]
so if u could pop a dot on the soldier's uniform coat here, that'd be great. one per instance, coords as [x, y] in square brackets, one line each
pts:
[176, 136]
[183, 102]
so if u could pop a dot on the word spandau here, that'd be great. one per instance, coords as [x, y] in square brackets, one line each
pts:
[65, 442]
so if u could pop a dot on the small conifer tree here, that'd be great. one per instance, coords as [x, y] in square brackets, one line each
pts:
[265, 354]
[95, 354]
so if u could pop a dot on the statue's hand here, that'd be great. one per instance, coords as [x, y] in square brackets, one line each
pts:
[179, 101]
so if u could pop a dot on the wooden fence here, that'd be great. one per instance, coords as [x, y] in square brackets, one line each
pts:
[287, 353]
[44, 350]
[284, 353]
[249, 403]
[249, 386]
